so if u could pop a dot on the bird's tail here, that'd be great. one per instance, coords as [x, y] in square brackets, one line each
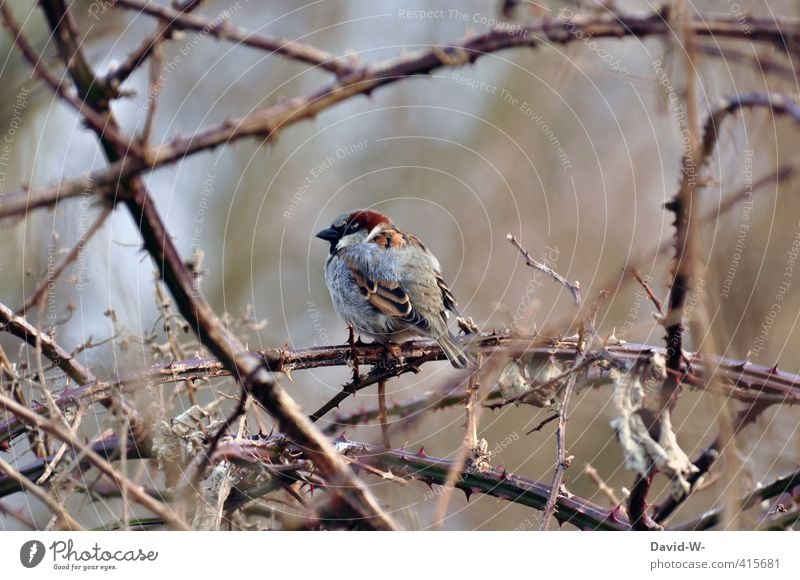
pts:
[455, 354]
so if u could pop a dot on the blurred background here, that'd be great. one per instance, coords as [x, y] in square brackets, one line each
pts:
[572, 148]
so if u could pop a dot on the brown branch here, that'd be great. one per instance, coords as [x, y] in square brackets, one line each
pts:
[681, 205]
[602, 486]
[150, 45]
[269, 122]
[468, 447]
[747, 382]
[414, 407]
[706, 460]
[420, 467]
[220, 29]
[615, 282]
[382, 371]
[713, 517]
[79, 374]
[31, 335]
[762, 63]
[97, 121]
[109, 447]
[54, 506]
[687, 257]
[573, 289]
[383, 414]
[51, 277]
[136, 492]
[561, 456]
[650, 294]
[637, 504]
[248, 369]
[541, 424]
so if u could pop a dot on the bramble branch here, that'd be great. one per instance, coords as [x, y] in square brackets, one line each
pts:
[269, 122]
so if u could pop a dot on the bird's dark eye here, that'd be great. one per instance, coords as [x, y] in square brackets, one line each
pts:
[352, 228]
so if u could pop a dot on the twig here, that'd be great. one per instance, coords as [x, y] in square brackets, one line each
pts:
[380, 372]
[469, 445]
[681, 203]
[579, 365]
[109, 447]
[18, 515]
[573, 289]
[97, 121]
[221, 29]
[763, 63]
[25, 331]
[153, 92]
[136, 492]
[68, 259]
[615, 282]
[561, 455]
[149, 47]
[602, 486]
[48, 500]
[581, 360]
[28, 333]
[650, 294]
[637, 504]
[413, 407]
[542, 423]
[383, 415]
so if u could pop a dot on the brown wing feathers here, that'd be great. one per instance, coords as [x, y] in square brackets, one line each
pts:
[387, 297]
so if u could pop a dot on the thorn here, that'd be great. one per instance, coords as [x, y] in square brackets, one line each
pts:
[467, 493]
[503, 472]
[421, 452]
[774, 370]
[614, 514]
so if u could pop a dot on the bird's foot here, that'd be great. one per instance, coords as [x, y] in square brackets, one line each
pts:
[392, 355]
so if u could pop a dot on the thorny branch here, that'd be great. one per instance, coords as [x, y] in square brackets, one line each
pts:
[757, 386]
[267, 123]
[212, 332]
[431, 470]
[745, 381]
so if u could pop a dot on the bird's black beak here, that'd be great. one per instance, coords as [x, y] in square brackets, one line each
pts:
[329, 235]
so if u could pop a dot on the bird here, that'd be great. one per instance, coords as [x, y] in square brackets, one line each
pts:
[387, 285]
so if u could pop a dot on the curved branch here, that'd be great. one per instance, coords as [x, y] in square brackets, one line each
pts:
[213, 333]
[220, 29]
[431, 470]
[269, 122]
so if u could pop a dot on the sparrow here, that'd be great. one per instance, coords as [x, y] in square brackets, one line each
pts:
[386, 284]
